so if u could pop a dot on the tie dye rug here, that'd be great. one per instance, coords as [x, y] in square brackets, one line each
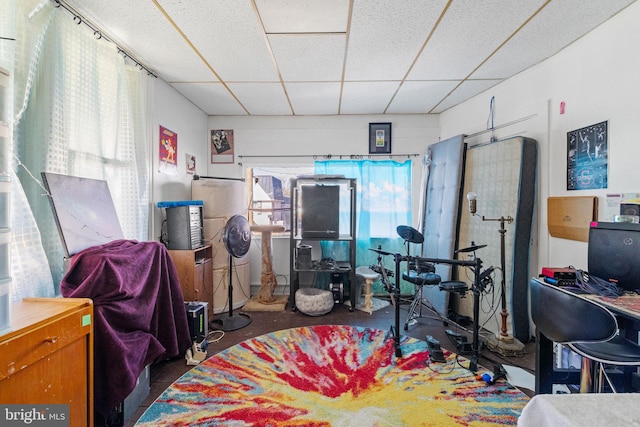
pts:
[333, 376]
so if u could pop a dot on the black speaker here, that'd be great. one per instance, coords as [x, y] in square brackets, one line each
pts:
[320, 211]
[614, 253]
[184, 227]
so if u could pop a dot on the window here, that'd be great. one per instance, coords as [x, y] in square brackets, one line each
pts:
[384, 193]
[383, 202]
[269, 189]
[83, 114]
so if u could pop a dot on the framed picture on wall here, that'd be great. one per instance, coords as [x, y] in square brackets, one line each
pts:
[168, 152]
[379, 138]
[222, 146]
[587, 157]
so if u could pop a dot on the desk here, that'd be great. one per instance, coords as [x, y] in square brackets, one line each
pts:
[627, 311]
[564, 410]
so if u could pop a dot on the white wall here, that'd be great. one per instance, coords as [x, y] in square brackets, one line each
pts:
[596, 78]
[285, 137]
[174, 112]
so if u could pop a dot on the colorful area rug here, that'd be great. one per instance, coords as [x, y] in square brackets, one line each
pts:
[333, 376]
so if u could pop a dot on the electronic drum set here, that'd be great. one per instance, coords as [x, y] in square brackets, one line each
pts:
[421, 271]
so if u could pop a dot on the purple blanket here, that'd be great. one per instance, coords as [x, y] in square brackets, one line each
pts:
[139, 314]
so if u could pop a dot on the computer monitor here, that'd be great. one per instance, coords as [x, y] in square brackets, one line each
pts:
[614, 253]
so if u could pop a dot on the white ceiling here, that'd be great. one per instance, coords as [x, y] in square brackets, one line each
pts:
[325, 57]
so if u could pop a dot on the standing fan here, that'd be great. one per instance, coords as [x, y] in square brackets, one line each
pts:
[236, 236]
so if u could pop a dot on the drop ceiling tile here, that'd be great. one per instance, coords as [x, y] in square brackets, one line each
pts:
[314, 98]
[309, 57]
[141, 30]
[386, 36]
[304, 16]
[262, 98]
[469, 32]
[383, 40]
[212, 98]
[466, 90]
[420, 97]
[555, 27]
[367, 97]
[228, 35]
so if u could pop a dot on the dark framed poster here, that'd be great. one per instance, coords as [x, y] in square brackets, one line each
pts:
[587, 159]
[222, 146]
[379, 138]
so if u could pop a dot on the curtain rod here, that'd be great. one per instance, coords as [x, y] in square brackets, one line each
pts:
[99, 34]
[329, 156]
[513, 122]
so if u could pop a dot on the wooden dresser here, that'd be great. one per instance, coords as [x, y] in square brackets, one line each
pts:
[47, 357]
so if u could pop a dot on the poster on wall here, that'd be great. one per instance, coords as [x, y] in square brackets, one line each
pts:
[191, 164]
[222, 146]
[587, 160]
[168, 152]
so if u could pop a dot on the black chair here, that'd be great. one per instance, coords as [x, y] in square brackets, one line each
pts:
[586, 327]
[419, 272]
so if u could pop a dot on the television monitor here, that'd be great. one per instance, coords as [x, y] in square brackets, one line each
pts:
[614, 253]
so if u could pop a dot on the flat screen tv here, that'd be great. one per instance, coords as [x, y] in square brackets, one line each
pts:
[614, 253]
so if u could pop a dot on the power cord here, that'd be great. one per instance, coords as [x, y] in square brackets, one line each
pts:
[590, 284]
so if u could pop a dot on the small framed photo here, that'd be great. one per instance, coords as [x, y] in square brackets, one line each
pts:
[222, 146]
[379, 138]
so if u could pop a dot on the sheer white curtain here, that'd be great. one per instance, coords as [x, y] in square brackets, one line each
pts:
[79, 110]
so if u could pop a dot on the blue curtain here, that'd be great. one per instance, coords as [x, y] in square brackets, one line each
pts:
[383, 201]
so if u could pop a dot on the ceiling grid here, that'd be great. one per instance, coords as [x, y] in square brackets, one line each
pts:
[319, 57]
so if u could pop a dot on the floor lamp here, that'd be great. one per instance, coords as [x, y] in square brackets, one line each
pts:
[504, 343]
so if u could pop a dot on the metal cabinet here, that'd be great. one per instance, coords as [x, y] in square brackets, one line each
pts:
[323, 235]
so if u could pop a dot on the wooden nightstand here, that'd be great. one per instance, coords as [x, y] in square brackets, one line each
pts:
[47, 357]
[195, 272]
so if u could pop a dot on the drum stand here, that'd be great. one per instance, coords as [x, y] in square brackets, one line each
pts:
[476, 264]
[395, 292]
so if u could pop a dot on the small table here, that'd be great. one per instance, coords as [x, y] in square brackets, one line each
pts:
[369, 277]
[268, 280]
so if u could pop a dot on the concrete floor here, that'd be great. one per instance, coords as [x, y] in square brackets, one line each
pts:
[163, 374]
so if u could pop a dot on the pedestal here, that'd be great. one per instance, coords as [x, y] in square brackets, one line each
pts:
[369, 277]
[268, 280]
